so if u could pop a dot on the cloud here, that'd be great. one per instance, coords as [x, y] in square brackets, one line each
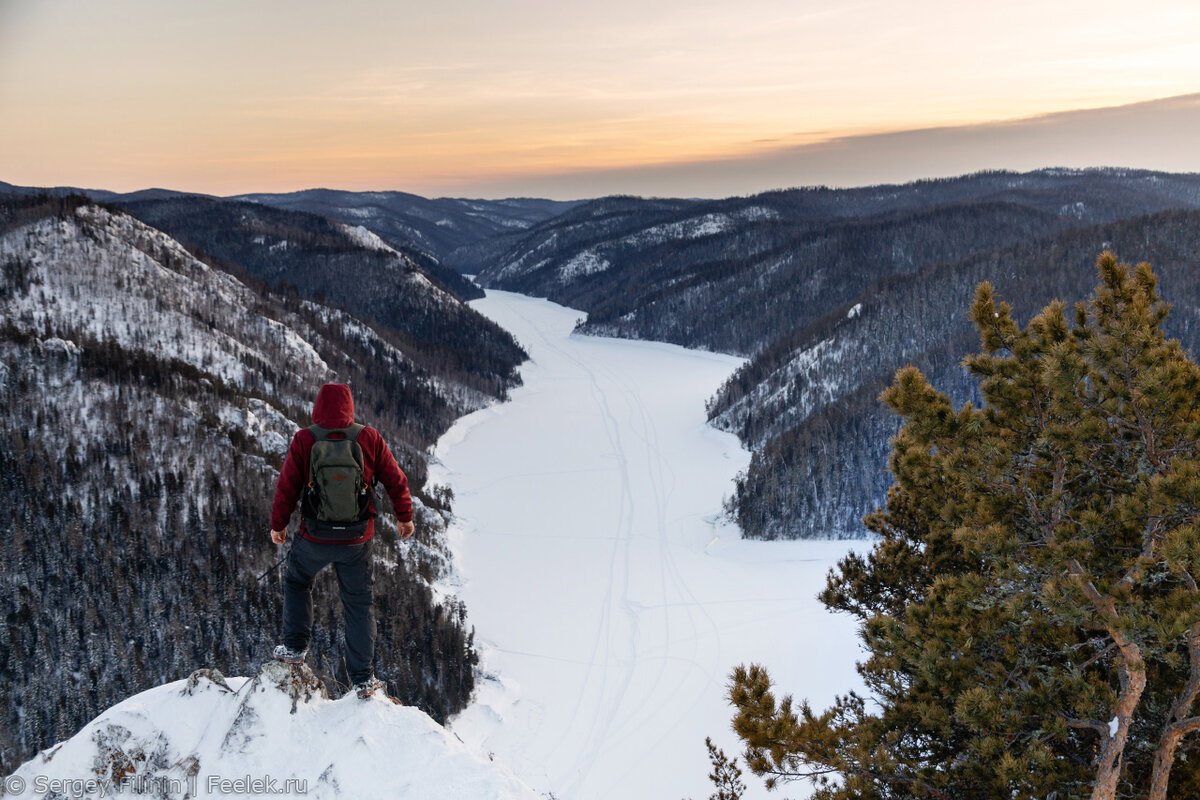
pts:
[1158, 134]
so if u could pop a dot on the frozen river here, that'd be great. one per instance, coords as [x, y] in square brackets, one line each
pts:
[609, 601]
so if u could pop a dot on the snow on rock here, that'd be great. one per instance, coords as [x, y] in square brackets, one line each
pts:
[268, 425]
[278, 732]
[1077, 210]
[57, 345]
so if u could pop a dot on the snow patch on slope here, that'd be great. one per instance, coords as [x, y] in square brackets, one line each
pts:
[586, 263]
[368, 239]
[694, 228]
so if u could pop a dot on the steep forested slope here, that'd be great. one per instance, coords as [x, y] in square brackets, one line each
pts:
[148, 399]
[348, 268]
[808, 404]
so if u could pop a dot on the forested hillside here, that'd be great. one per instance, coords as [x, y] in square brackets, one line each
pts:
[808, 404]
[733, 275]
[148, 399]
[522, 257]
[348, 268]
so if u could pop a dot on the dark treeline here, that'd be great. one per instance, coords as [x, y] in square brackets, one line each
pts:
[17, 210]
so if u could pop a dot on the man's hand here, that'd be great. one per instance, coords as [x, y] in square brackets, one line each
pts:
[406, 529]
[279, 537]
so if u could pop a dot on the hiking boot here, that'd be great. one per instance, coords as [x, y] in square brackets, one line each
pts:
[365, 689]
[289, 656]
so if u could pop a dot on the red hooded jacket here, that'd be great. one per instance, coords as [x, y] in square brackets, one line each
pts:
[334, 408]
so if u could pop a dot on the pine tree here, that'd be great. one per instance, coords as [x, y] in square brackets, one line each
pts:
[726, 775]
[1032, 613]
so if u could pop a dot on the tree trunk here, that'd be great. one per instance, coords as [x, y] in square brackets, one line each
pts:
[1132, 671]
[1164, 759]
[1178, 725]
[1108, 770]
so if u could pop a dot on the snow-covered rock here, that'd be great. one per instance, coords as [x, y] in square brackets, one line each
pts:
[277, 733]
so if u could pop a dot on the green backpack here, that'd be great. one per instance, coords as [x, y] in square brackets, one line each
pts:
[337, 501]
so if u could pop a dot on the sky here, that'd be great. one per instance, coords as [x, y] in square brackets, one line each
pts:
[569, 99]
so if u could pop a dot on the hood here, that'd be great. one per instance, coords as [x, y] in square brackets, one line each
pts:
[334, 407]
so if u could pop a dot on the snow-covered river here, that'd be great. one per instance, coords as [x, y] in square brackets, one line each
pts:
[609, 602]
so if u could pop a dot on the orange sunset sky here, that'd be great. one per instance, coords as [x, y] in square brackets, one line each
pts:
[574, 99]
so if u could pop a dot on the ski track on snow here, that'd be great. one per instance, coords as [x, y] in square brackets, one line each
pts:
[674, 601]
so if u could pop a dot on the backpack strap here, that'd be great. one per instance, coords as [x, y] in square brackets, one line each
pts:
[322, 434]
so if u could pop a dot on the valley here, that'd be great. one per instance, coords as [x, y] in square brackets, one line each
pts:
[609, 599]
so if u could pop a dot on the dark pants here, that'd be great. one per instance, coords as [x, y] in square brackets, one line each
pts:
[352, 563]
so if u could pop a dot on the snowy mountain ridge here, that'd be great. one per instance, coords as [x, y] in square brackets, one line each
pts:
[278, 732]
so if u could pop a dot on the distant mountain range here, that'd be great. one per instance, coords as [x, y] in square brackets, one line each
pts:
[769, 276]
[733, 274]
[428, 231]
[439, 227]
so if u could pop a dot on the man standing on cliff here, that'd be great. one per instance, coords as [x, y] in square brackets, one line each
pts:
[329, 471]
